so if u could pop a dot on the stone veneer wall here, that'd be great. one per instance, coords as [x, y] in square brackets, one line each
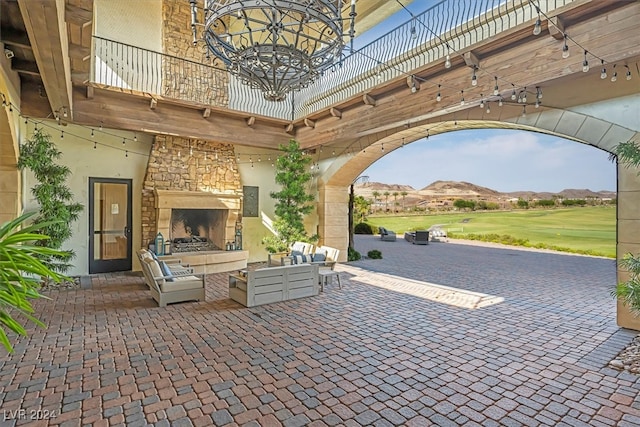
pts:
[210, 168]
[186, 80]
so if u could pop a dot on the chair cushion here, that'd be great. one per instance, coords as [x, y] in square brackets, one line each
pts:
[166, 271]
[319, 256]
[182, 283]
[154, 269]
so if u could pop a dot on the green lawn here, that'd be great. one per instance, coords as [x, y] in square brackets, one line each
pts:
[580, 229]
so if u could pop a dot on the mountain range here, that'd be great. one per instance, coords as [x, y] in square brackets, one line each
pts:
[466, 190]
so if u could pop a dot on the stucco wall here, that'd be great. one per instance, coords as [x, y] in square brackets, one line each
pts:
[262, 175]
[106, 161]
[138, 22]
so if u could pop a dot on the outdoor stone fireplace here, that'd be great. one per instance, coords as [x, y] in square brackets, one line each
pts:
[192, 192]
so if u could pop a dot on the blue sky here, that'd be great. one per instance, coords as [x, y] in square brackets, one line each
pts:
[503, 160]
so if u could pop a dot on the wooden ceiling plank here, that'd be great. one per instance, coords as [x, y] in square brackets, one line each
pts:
[48, 37]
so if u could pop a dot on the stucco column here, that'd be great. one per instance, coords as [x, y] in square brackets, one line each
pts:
[333, 218]
[628, 239]
[10, 182]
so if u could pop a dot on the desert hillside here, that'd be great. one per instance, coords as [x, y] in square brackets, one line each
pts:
[441, 192]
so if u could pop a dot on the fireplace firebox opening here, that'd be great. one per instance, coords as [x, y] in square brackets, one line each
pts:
[198, 229]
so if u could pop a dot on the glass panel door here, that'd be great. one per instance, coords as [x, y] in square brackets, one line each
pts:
[109, 225]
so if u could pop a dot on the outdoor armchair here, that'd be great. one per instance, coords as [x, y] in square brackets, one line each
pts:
[386, 235]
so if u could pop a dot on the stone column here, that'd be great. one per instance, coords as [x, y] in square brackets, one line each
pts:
[628, 239]
[333, 218]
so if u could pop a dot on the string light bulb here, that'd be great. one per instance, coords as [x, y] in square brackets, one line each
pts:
[513, 94]
[462, 97]
[585, 63]
[537, 28]
[614, 77]
[538, 92]
[439, 95]
[135, 137]
[565, 48]
[603, 72]
[474, 77]
[447, 61]
[628, 72]
[524, 111]
[500, 102]
[488, 108]
[496, 90]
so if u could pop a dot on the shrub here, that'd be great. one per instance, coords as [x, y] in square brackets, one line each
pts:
[362, 228]
[374, 254]
[353, 255]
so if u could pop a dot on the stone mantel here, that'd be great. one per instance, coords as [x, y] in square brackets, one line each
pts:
[169, 199]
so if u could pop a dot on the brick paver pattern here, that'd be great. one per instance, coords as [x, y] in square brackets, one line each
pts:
[381, 351]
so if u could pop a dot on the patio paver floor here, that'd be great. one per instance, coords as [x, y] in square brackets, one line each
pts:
[404, 347]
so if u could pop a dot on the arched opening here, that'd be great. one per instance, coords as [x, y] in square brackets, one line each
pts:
[576, 126]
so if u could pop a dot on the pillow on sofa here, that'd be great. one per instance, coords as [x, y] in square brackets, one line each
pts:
[298, 257]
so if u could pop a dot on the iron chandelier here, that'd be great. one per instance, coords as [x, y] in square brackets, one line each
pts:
[276, 46]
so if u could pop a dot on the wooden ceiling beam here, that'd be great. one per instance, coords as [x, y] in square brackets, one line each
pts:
[122, 111]
[48, 38]
[79, 52]
[77, 15]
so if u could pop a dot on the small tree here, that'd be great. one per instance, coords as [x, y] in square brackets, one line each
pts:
[361, 208]
[403, 194]
[375, 194]
[386, 195]
[292, 201]
[57, 209]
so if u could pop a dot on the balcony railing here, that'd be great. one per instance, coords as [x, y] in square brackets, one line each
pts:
[448, 27]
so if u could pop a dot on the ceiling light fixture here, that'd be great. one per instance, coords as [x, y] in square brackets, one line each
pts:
[276, 46]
